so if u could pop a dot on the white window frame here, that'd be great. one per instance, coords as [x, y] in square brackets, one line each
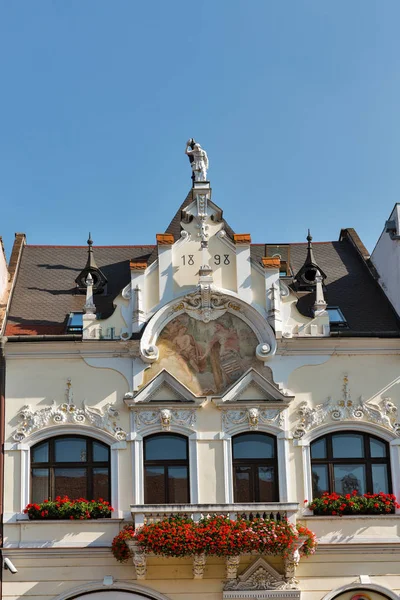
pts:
[282, 459]
[138, 458]
[24, 448]
[350, 426]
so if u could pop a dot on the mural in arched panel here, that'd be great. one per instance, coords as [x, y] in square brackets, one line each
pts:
[207, 357]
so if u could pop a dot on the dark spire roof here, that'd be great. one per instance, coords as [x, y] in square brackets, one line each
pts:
[99, 279]
[305, 279]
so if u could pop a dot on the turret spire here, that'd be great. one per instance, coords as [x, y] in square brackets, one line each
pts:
[99, 280]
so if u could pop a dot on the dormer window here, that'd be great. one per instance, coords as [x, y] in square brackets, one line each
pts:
[75, 323]
[336, 317]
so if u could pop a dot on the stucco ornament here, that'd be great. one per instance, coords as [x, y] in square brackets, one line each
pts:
[205, 304]
[67, 412]
[253, 416]
[199, 563]
[260, 576]
[165, 418]
[383, 413]
[198, 160]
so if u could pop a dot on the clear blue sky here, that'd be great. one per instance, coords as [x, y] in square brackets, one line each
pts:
[296, 102]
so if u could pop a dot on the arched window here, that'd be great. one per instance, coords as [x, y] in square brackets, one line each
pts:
[73, 466]
[255, 468]
[343, 462]
[166, 469]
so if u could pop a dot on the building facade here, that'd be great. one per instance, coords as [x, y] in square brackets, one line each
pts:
[202, 375]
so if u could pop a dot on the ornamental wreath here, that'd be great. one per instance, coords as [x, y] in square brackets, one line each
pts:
[65, 508]
[353, 504]
[217, 535]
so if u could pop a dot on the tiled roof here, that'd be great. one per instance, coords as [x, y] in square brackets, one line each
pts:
[45, 291]
[349, 285]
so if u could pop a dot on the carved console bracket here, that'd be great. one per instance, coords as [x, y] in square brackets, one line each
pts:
[199, 563]
[139, 560]
[232, 565]
[383, 413]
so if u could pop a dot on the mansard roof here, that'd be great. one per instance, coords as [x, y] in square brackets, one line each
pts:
[45, 292]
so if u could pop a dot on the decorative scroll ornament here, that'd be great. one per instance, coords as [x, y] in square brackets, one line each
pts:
[253, 417]
[139, 560]
[68, 412]
[260, 576]
[383, 413]
[165, 417]
[205, 304]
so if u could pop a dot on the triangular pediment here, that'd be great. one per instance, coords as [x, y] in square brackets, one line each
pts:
[254, 388]
[163, 389]
[261, 580]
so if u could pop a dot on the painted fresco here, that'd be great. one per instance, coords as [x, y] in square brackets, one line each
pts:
[206, 357]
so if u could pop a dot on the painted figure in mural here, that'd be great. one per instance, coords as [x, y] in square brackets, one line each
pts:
[206, 357]
[198, 160]
[224, 352]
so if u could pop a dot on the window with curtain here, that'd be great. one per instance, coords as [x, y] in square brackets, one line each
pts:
[343, 462]
[255, 468]
[74, 466]
[166, 469]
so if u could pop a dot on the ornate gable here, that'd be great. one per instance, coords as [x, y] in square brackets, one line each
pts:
[260, 580]
[253, 387]
[164, 388]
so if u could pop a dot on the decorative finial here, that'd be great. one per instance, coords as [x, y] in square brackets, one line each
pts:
[310, 274]
[90, 241]
[198, 160]
[309, 237]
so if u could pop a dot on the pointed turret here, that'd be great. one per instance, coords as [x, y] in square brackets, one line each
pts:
[306, 277]
[99, 279]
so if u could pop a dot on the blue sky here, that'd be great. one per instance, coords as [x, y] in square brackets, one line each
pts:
[296, 103]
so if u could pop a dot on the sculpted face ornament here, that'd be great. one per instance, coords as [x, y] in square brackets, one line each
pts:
[253, 416]
[165, 417]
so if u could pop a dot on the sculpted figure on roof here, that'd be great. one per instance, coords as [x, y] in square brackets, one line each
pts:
[198, 160]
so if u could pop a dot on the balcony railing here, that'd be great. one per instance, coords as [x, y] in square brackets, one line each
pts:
[151, 513]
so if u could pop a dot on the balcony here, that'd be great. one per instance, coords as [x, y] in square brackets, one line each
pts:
[151, 513]
[145, 513]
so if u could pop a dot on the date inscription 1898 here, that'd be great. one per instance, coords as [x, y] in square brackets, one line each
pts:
[217, 259]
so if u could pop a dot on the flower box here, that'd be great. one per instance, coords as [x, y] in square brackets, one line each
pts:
[216, 536]
[66, 508]
[353, 504]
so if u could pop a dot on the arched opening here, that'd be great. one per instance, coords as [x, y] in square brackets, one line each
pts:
[70, 465]
[166, 469]
[255, 467]
[344, 461]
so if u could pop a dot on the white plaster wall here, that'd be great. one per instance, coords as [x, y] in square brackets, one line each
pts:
[3, 275]
[386, 259]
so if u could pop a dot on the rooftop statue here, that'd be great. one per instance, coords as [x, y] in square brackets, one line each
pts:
[198, 160]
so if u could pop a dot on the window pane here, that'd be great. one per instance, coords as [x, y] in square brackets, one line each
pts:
[380, 481]
[100, 452]
[40, 453]
[178, 485]
[165, 447]
[40, 485]
[70, 450]
[318, 448]
[266, 484]
[70, 482]
[100, 484]
[154, 485]
[242, 484]
[320, 479]
[378, 448]
[348, 478]
[347, 445]
[253, 445]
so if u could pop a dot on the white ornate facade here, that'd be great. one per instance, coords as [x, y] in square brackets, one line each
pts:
[209, 338]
